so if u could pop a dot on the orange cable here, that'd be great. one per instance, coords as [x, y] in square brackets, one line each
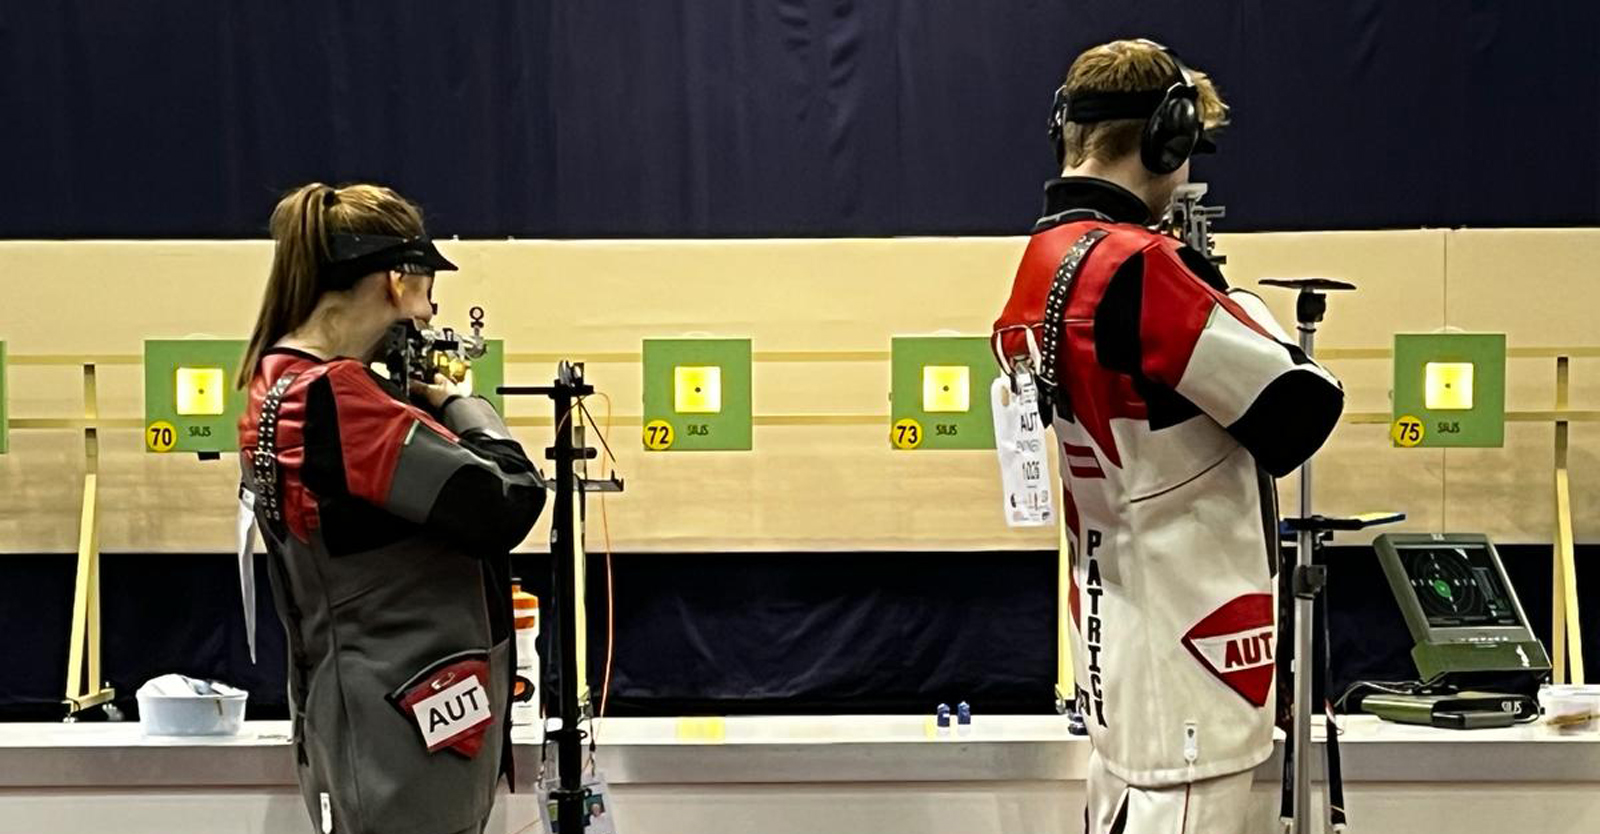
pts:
[605, 524]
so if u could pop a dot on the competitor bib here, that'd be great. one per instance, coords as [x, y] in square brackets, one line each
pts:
[1019, 440]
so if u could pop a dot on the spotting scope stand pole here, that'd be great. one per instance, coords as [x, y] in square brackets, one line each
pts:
[1310, 305]
[567, 392]
[1308, 582]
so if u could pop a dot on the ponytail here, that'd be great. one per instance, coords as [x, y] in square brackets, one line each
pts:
[300, 227]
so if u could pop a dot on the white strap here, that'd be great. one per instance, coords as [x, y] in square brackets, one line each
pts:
[247, 574]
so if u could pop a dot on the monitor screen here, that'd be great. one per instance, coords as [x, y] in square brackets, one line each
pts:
[1458, 586]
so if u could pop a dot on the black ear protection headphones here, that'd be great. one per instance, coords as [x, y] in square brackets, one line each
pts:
[1172, 130]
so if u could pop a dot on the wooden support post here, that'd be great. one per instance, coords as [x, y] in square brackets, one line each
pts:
[85, 687]
[1566, 627]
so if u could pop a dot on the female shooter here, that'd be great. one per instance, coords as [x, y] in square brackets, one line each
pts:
[388, 513]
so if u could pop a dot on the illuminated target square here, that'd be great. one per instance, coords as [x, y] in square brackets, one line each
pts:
[697, 389]
[201, 392]
[946, 389]
[1447, 386]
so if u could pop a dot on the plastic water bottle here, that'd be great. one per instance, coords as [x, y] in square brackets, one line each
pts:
[941, 719]
[525, 610]
[963, 719]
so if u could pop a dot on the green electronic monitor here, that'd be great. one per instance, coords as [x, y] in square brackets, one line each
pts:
[1459, 605]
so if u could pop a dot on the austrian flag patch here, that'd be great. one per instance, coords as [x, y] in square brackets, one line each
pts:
[1235, 643]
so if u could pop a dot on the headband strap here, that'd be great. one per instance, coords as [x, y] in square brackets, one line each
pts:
[1090, 107]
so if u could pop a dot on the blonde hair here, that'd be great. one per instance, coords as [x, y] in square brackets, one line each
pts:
[301, 224]
[1127, 66]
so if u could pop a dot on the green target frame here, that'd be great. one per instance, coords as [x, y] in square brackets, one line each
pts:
[1452, 386]
[939, 392]
[489, 373]
[190, 403]
[697, 395]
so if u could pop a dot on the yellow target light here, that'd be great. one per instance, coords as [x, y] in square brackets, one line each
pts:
[200, 392]
[946, 389]
[697, 389]
[1448, 386]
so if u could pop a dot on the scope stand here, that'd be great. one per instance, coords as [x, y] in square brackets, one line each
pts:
[1306, 580]
[569, 487]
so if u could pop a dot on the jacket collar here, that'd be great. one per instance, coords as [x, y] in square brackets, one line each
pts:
[1081, 198]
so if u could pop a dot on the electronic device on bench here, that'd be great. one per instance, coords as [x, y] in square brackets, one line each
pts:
[1467, 626]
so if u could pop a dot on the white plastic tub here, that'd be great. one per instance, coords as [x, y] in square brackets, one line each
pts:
[176, 706]
[1570, 710]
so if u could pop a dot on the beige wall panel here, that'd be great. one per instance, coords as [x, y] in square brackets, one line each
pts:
[789, 295]
[806, 487]
[1399, 275]
[1358, 472]
[107, 297]
[1537, 286]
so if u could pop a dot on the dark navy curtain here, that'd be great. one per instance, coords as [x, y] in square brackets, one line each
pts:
[568, 118]
[759, 633]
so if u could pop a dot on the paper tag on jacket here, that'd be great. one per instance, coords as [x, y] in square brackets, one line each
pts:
[453, 713]
[1020, 442]
[247, 569]
[450, 704]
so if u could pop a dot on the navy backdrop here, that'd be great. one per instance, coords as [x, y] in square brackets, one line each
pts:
[696, 633]
[567, 118]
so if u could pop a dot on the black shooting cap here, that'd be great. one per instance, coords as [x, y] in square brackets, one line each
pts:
[351, 256]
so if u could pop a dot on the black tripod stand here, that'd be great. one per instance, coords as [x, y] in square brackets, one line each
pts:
[566, 535]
